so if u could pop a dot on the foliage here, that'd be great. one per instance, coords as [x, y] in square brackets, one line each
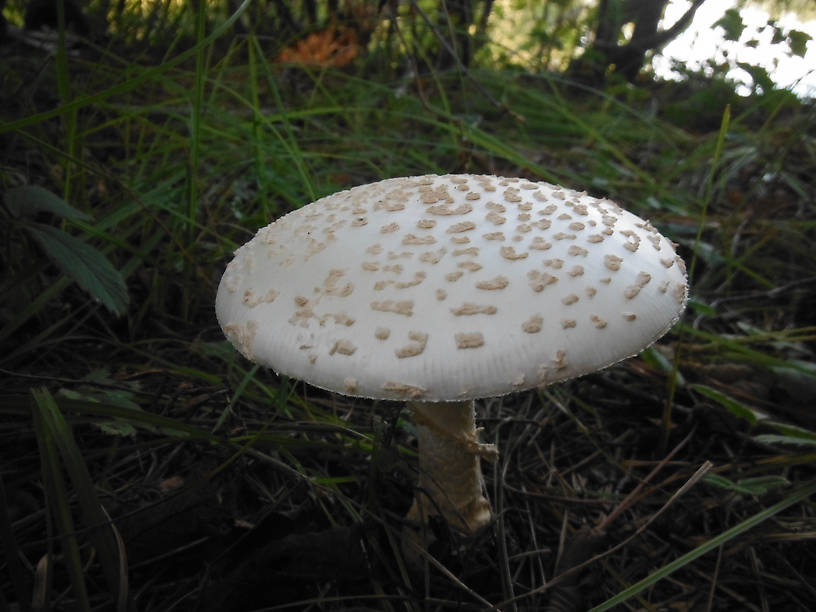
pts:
[146, 465]
[79, 261]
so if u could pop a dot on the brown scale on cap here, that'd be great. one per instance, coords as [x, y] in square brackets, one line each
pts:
[470, 251]
[612, 262]
[509, 253]
[433, 257]
[598, 321]
[468, 308]
[538, 281]
[332, 287]
[464, 226]
[511, 195]
[413, 348]
[404, 390]
[350, 385]
[250, 299]
[495, 218]
[533, 325]
[539, 244]
[410, 239]
[446, 210]
[469, 340]
[418, 278]
[470, 266]
[242, 336]
[494, 284]
[401, 307]
[342, 347]
[641, 281]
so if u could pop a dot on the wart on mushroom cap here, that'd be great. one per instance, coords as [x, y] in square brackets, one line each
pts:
[448, 288]
[346, 285]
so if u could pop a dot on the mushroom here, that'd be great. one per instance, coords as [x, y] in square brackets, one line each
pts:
[438, 290]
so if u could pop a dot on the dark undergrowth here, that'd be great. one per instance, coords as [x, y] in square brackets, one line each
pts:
[147, 466]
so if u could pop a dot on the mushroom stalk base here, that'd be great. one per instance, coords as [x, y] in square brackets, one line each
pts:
[450, 475]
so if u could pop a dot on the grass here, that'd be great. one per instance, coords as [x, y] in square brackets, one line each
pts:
[147, 466]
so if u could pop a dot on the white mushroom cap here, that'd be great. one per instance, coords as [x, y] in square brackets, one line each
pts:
[450, 288]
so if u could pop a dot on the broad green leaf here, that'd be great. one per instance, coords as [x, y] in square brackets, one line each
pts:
[798, 42]
[28, 200]
[83, 263]
[732, 23]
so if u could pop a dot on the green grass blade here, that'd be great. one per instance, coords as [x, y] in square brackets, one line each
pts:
[95, 519]
[56, 493]
[797, 496]
[709, 187]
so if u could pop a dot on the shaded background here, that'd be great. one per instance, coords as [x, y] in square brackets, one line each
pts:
[144, 465]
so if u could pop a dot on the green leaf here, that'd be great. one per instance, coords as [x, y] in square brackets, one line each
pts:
[755, 487]
[732, 23]
[798, 42]
[701, 308]
[733, 406]
[782, 439]
[83, 263]
[28, 200]
[789, 434]
[759, 75]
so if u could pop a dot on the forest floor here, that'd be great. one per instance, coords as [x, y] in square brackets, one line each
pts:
[147, 466]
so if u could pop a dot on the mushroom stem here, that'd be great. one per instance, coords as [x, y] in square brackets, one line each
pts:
[450, 475]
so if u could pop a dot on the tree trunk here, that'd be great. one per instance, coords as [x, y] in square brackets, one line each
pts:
[605, 55]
